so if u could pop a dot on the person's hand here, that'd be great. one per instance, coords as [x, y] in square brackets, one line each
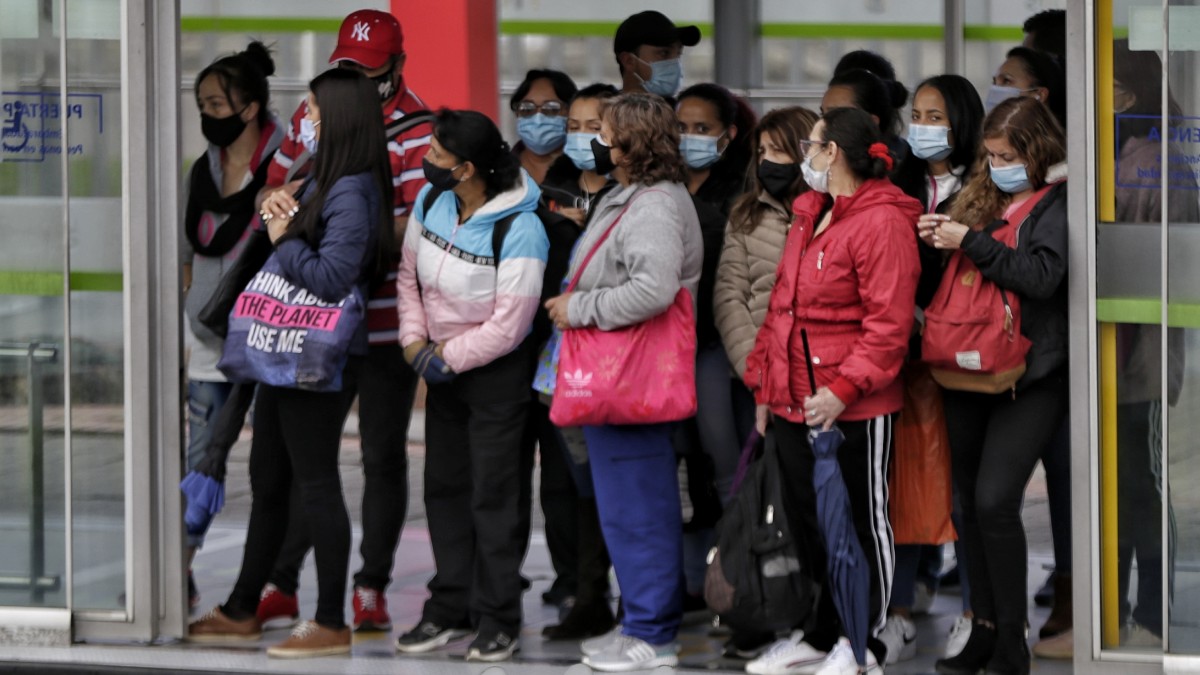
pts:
[280, 203]
[761, 414]
[577, 215]
[926, 225]
[411, 351]
[276, 227]
[822, 409]
[948, 235]
[557, 307]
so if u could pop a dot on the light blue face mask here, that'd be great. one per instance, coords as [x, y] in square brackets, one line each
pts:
[929, 142]
[308, 134]
[699, 150]
[998, 94]
[1010, 179]
[579, 149]
[542, 134]
[665, 77]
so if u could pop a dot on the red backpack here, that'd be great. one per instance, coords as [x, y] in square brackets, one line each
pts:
[972, 337]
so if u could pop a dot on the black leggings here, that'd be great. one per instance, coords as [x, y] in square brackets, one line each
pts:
[297, 433]
[995, 442]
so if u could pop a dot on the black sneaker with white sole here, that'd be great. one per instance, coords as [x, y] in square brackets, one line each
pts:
[427, 636]
[493, 646]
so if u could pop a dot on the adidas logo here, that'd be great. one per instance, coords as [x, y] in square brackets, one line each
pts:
[578, 384]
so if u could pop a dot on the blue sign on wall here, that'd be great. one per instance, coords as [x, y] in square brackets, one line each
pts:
[31, 124]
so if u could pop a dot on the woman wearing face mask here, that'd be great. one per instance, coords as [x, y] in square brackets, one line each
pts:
[997, 439]
[242, 134]
[337, 239]
[715, 135]
[944, 136]
[572, 184]
[540, 106]
[466, 313]
[653, 251]
[754, 240]
[1028, 72]
[848, 277]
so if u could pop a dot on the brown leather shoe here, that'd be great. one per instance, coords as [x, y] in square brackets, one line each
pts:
[311, 639]
[215, 626]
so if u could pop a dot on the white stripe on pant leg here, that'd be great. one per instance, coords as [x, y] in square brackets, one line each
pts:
[878, 440]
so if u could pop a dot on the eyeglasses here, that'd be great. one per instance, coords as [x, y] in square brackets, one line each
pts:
[806, 146]
[529, 109]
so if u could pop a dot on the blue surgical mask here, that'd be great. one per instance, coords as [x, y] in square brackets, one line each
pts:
[665, 77]
[997, 94]
[579, 149]
[1010, 179]
[699, 151]
[929, 142]
[308, 134]
[541, 134]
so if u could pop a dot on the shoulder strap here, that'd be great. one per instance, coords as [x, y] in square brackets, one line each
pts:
[430, 198]
[297, 164]
[407, 122]
[600, 242]
[499, 232]
[1026, 208]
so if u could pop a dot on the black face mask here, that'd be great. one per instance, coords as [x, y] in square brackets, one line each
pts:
[603, 154]
[438, 177]
[777, 179]
[386, 83]
[222, 131]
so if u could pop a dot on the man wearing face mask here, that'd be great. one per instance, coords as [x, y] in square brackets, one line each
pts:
[371, 42]
[648, 47]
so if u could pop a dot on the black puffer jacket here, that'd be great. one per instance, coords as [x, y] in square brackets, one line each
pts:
[1036, 270]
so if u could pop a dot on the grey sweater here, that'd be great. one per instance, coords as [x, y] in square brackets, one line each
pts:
[654, 250]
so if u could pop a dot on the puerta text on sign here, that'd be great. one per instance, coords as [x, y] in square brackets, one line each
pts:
[32, 122]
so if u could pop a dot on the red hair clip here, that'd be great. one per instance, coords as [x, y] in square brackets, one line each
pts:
[880, 151]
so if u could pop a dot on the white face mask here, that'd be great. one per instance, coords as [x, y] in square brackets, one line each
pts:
[308, 134]
[817, 180]
[998, 94]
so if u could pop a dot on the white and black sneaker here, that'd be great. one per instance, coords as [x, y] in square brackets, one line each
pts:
[489, 647]
[427, 636]
[899, 635]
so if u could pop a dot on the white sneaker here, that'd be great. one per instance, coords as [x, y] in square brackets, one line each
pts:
[593, 646]
[629, 653]
[959, 634]
[923, 597]
[841, 662]
[899, 635]
[789, 656]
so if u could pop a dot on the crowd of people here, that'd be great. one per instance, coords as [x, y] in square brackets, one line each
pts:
[802, 248]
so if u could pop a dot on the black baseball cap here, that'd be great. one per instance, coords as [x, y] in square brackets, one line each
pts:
[652, 28]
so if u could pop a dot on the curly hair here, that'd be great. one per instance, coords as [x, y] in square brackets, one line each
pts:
[646, 131]
[1036, 136]
[788, 126]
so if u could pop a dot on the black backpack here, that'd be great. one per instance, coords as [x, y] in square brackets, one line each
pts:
[756, 580]
[562, 233]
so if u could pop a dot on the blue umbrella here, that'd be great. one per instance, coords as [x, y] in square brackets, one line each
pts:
[845, 561]
[205, 497]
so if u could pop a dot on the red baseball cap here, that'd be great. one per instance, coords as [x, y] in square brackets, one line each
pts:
[369, 38]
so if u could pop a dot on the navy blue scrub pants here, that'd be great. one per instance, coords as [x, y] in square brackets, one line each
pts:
[637, 494]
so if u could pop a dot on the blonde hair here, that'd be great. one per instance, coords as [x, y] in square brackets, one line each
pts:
[1036, 136]
[645, 129]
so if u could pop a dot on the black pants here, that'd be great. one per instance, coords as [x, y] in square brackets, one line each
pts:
[559, 499]
[473, 494]
[386, 387]
[995, 442]
[1139, 493]
[297, 435]
[864, 459]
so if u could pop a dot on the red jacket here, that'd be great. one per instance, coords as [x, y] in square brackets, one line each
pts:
[853, 288]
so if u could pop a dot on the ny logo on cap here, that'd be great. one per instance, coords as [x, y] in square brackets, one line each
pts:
[362, 31]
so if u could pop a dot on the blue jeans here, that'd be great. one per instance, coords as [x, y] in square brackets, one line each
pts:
[637, 495]
[204, 400]
[724, 415]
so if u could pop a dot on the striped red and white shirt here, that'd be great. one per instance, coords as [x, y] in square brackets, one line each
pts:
[408, 177]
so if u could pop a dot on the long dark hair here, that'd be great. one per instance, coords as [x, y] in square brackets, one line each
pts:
[965, 111]
[244, 74]
[788, 126]
[352, 142]
[1046, 72]
[733, 112]
[472, 137]
[879, 97]
[855, 132]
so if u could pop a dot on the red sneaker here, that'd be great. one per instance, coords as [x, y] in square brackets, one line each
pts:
[370, 610]
[277, 609]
